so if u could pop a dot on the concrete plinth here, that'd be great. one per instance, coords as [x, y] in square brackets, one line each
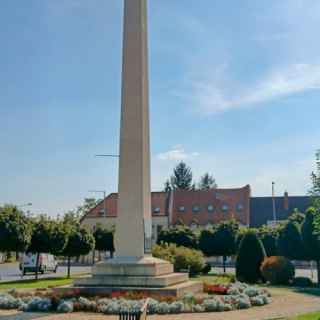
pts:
[146, 266]
[176, 291]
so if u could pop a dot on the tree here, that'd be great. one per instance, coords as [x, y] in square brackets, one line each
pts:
[250, 257]
[268, 237]
[88, 204]
[297, 217]
[15, 230]
[41, 240]
[59, 237]
[104, 239]
[80, 242]
[181, 235]
[167, 186]
[290, 242]
[182, 177]
[310, 237]
[207, 182]
[220, 241]
[315, 179]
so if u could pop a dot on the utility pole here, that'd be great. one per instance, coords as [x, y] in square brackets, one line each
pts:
[274, 203]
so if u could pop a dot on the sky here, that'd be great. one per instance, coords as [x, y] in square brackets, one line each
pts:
[234, 91]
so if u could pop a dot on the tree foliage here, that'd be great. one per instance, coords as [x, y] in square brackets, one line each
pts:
[104, 239]
[249, 259]
[315, 179]
[290, 242]
[220, 240]
[268, 237]
[182, 177]
[15, 230]
[80, 242]
[180, 235]
[47, 237]
[207, 182]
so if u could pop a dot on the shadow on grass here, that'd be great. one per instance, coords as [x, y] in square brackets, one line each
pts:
[24, 316]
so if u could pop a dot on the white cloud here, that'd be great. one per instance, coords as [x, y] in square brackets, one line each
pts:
[177, 153]
[210, 98]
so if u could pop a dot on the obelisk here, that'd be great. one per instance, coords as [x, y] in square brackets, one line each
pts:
[133, 226]
[134, 268]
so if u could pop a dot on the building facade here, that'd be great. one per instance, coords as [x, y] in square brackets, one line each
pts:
[194, 208]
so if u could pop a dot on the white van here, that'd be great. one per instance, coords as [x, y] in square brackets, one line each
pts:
[47, 262]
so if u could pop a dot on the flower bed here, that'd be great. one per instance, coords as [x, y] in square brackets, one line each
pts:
[237, 296]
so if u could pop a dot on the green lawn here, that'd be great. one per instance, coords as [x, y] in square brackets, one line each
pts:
[309, 316]
[41, 283]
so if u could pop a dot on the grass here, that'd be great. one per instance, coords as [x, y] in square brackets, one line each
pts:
[214, 278]
[308, 316]
[40, 284]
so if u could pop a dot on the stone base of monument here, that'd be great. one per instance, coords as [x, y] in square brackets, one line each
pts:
[148, 275]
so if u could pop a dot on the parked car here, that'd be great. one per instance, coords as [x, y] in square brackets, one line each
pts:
[47, 262]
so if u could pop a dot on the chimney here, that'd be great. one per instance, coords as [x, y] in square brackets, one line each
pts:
[286, 201]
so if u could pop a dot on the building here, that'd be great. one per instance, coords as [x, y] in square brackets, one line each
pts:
[193, 208]
[261, 208]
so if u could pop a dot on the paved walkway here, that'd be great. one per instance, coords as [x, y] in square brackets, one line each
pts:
[285, 304]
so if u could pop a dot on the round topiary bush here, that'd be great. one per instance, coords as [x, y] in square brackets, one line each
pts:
[277, 270]
[249, 259]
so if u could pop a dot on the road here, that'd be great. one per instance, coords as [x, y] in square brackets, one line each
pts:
[11, 272]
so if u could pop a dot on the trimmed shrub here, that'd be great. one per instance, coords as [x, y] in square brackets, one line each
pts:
[249, 259]
[182, 258]
[277, 270]
[206, 269]
[302, 282]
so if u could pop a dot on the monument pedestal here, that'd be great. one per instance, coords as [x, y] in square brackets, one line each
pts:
[149, 275]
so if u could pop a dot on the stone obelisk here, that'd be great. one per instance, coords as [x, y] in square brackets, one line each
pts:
[134, 268]
[133, 224]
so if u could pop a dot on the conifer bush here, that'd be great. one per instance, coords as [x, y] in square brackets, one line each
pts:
[250, 257]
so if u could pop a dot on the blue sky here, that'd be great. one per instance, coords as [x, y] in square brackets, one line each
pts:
[234, 91]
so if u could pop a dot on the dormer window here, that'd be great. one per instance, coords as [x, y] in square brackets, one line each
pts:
[182, 209]
[196, 209]
[210, 208]
[225, 208]
[240, 207]
[156, 210]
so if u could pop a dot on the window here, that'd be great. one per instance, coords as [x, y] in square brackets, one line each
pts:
[193, 226]
[240, 207]
[156, 210]
[196, 209]
[210, 208]
[182, 209]
[101, 212]
[217, 195]
[225, 207]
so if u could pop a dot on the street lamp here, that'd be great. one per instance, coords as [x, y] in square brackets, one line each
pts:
[104, 202]
[108, 155]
